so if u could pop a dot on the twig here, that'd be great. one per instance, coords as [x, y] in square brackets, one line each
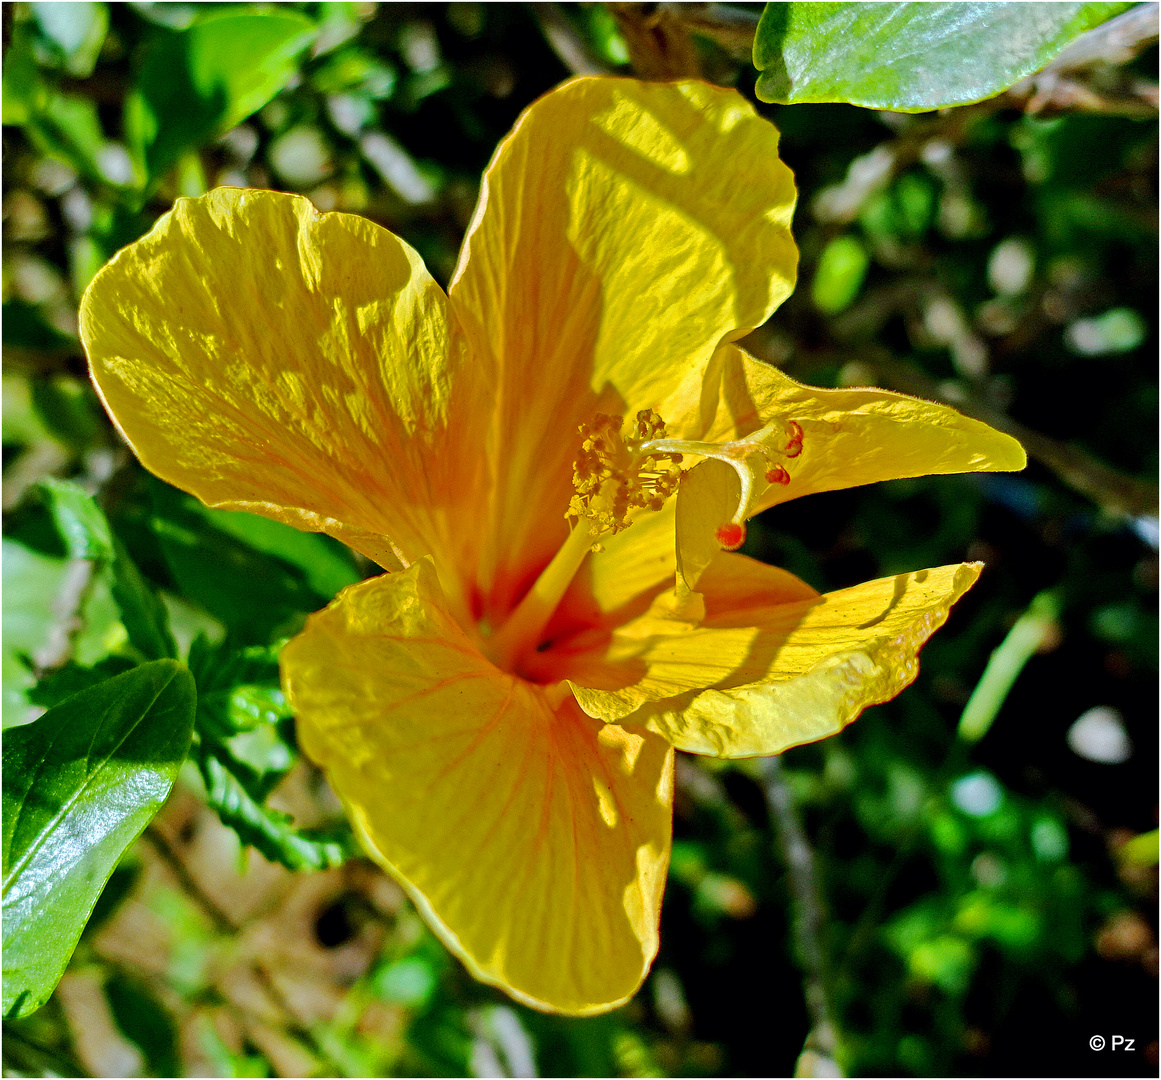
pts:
[731, 27]
[569, 46]
[659, 41]
[820, 1052]
[1107, 487]
[79, 578]
[223, 924]
[227, 927]
[67, 621]
[1114, 42]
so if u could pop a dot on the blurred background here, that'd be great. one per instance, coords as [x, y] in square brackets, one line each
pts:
[945, 888]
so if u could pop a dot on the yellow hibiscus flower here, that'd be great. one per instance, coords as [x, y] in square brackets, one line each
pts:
[499, 712]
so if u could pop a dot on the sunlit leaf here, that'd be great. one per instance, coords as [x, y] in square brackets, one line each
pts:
[87, 535]
[32, 582]
[77, 29]
[203, 80]
[910, 57]
[840, 273]
[1032, 630]
[80, 784]
[25, 93]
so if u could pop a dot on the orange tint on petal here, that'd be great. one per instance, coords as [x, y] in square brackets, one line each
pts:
[610, 254]
[269, 358]
[534, 839]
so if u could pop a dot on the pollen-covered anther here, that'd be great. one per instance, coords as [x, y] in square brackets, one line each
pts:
[794, 445]
[777, 474]
[766, 443]
[614, 474]
[731, 535]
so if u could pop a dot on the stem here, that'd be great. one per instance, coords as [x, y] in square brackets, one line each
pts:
[223, 924]
[806, 905]
[524, 625]
[227, 927]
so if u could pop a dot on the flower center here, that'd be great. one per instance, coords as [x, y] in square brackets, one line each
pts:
[616, 475]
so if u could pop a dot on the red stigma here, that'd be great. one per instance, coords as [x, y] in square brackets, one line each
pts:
[794, 446]
[777, 475]
[730, 535]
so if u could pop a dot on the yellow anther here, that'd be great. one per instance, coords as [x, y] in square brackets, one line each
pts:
[615, 474]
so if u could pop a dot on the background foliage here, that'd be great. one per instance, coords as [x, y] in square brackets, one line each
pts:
[986, 875]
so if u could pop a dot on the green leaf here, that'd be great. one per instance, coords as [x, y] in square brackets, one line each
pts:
[25, 92]
[145, 1021]
[1031, 632]
[72, 678]
[326, 565]
[32, 581]
[80, 784]
[80, 521]
[254, 575]
[269, 831]
[87, 535]
[203, 80]
[77, 31]
[911, 57]
[62, 126]
[69, 409]
[840, 274]
[26, 328]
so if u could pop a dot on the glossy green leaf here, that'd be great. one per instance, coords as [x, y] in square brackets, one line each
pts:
[87, 535]
[207, 78]
[911, 57]
[80, 784]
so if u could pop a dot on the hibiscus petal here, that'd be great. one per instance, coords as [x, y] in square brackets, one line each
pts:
[268, 358]
[533, 838]
[753, 680]
[609, 256]
[849, 438]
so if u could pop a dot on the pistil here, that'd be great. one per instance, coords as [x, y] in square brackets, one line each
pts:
[523, 627]
[736, 454]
